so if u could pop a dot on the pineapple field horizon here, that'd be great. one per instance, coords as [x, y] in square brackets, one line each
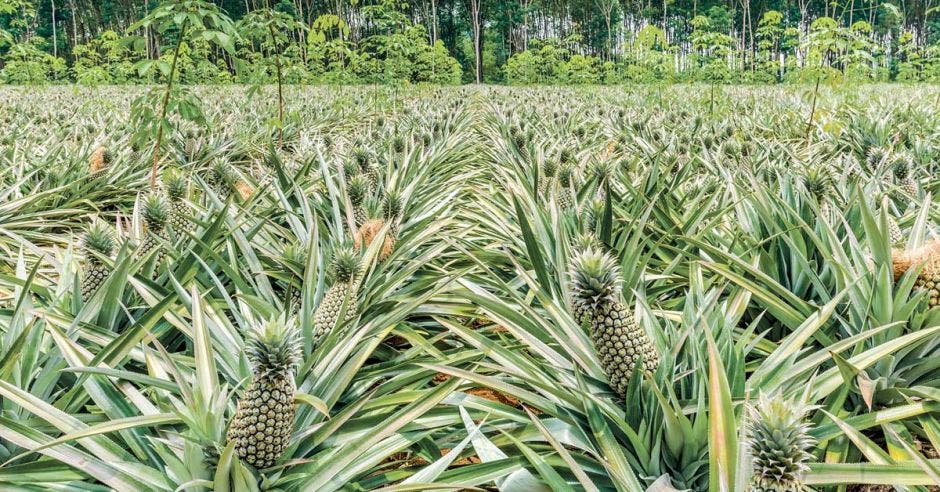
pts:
[601, 288]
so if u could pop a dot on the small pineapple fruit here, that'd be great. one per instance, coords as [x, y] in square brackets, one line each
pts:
[176, 191]
[904, 176]
[619, 340]
[220, 178]
[264, 419]
[391, 209]
[780, 444]
[345, 266]
[98, 241]
[566, 199]
[100, 159]
[156, 214]
[894, 232]
[819, 184]
[547, 179]
[357, 190]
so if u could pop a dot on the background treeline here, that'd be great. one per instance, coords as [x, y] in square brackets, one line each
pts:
[494, 41]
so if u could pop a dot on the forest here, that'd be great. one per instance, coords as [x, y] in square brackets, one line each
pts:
[515, 42]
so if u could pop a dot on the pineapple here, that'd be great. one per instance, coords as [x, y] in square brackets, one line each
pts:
[780, 444]
[264, 419]
[176, 191]
[566, 198]
[904, 176]
[593, 214]
[547, 180]
[220, 179]
[98, 241]
[358, 188]
[392, 211]
[156, 214]
[601, 171]
[894, 232]
[619, 340]
[367, 233]
[927, 255]
[366, 168]
[819, 184]
[345, 287]
[100, 159]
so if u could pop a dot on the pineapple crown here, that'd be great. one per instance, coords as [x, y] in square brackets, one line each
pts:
[351, 169]
[392, 205]
[221, 171]
[566, 156]
[345, 265]
[901, 167]
[98, 239]
[593, 213]
[357, 189]
[877, 155]
[584, 241]
[595, 276]
[274, 349]
[551, 168]
[175, 185]
[361, 158]
[398, 143]
[293, 254]
[818, 182]
[601, 169]
[155, 211]
[779, 442]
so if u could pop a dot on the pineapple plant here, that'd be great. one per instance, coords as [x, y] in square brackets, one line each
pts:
[620, 342]
[156, 215]
[345, 268]
[779, 442]
[264, 419]
[220, 179]
[98, 242]
[819, 183]
[292, 257]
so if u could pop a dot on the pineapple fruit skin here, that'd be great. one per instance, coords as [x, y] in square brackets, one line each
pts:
[95, 275]
[264, 421]
[619, 340]
[329, 310]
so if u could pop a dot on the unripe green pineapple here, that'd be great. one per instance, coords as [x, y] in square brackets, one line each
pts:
[547, 179]
[357, 190]
[819, 184]
[363, 160]
[156, 214]
[620, 342]
[894, 232]
[565, 197]
[264, 420]
[345, 266]
[392, 208]
[903, 174]
[98, 241]
[780, 444]
[221, 179]
[176, 191]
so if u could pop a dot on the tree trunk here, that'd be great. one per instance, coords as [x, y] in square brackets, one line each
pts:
[477, 38]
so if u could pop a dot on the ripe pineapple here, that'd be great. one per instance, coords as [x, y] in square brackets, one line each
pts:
[264, 420]
[358, 188]
[97, 241]
[345, 268]
[100, 159]
[619, 340]
[927, 255]
[176, 191]
[156, 214]
[367, 233]
[780, 444]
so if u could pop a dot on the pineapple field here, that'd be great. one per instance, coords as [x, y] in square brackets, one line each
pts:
[652, 288]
